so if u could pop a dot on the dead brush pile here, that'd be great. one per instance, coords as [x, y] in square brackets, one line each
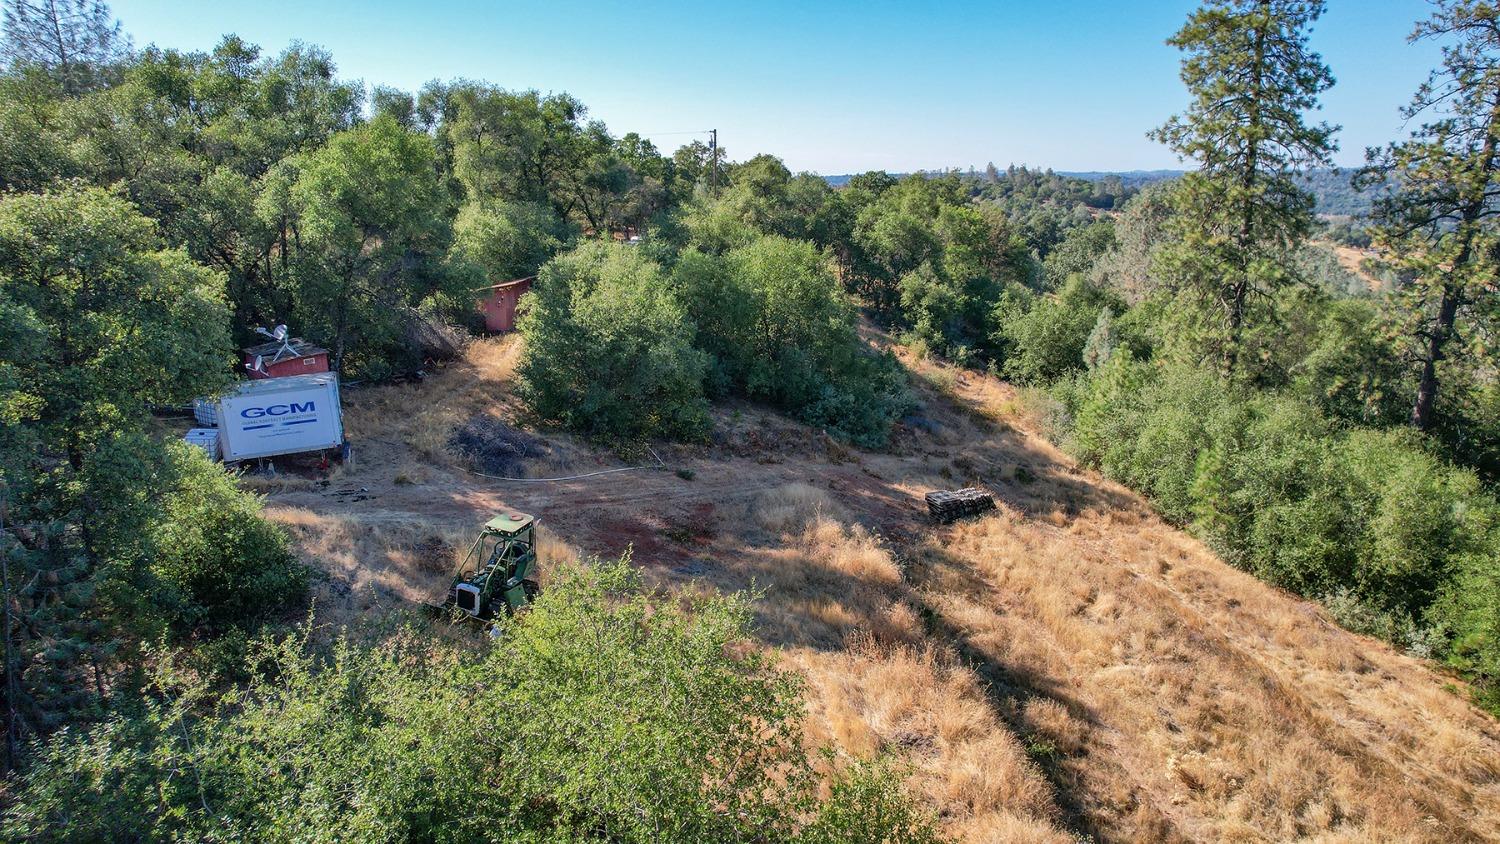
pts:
[495, 448]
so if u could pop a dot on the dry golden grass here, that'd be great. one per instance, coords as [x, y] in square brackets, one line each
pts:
[921, 704]
[422, 415]
[1227, 709]
[837, 602]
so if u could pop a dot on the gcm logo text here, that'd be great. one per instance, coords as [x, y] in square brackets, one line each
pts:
[277, 410]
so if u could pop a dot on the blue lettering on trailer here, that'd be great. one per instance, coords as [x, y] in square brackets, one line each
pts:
[278, 410]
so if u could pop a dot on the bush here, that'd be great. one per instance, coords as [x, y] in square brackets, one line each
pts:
[608, 349]
[1047, 339]
[1351, 373]
[779, 328]
[602, 714]
[219, 564]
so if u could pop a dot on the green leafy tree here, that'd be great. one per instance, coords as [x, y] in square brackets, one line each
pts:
[96, 323]
[1049, 338]
[192, 137]
[1078, 252]
[609, 350]
[371, 231]
[1241, 215]
[764, 198]
[1439, 223]
[33, 149]
[500, 241]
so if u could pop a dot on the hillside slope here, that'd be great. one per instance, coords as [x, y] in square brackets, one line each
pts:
[1068, 666]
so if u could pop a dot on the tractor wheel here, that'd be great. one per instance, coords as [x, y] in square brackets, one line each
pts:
[532, 589]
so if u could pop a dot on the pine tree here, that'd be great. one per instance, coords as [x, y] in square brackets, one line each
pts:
[76, 40]
[1440, 221]
[1240, 215]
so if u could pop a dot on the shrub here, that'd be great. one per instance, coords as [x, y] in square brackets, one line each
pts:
[1469, 610]
[1419, 518]
[218, 562]
[1046, 340]
[608, 349]
[601, 714]
[779, 328]
[1351, 373]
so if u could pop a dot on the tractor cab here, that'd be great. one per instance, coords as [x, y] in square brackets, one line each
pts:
[499, 570]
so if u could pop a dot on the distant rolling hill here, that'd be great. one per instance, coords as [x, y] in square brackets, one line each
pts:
[1336, 197]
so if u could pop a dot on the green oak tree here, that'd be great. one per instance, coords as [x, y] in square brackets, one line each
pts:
[370, 226]
[96, 322]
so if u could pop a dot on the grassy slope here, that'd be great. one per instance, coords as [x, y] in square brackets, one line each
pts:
[1070, 665]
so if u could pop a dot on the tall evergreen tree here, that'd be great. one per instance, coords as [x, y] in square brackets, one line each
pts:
[1440, 220]
[73, 39]
[1241, 215]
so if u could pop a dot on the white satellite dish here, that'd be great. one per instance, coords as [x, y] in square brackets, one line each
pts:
[280, 336]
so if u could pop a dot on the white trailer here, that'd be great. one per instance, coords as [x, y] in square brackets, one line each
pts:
[275, 416]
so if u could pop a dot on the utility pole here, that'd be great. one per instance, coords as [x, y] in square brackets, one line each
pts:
[713, 159]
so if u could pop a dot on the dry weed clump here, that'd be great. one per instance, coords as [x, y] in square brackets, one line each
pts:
[1051, 720]
[263, 484]
[552, 553]
[790, 508]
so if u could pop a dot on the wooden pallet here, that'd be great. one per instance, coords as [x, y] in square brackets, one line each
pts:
[947, 505]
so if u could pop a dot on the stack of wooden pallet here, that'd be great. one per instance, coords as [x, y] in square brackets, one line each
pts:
[945, 505]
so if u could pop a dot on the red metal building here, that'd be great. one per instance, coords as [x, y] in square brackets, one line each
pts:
[498, 303]
[277, 359]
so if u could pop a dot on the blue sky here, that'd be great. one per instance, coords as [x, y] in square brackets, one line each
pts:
[829, 87]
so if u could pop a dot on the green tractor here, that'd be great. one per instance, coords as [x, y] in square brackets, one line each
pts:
[498, 571]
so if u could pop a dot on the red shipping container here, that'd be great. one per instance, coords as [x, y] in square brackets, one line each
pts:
[498, 303]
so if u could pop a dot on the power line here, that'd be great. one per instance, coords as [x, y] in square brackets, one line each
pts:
[662, 134]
